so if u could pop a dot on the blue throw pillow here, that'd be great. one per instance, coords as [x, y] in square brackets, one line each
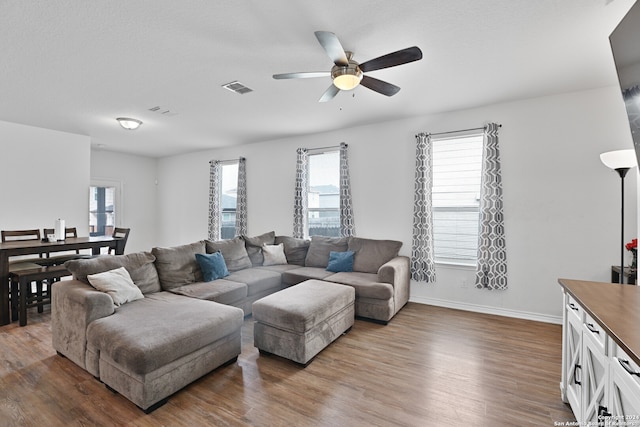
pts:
[340, 261]
[212, 265]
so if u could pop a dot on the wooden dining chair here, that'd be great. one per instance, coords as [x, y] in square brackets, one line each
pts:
[122, 233]
[15, 235]
[18, 265]
[68, 232]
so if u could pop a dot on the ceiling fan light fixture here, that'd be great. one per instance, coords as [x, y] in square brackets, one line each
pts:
[128, 123]
[346, 78]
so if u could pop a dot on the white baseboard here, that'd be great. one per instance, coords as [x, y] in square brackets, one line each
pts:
[488, 310]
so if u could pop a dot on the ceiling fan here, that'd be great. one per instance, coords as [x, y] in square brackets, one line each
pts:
[347, 74]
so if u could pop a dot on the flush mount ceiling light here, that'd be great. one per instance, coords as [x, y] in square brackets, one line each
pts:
[128, 123]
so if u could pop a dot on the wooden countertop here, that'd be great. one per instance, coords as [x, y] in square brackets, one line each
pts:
[615, 307]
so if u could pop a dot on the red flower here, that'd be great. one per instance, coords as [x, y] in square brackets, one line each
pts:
[632, 245]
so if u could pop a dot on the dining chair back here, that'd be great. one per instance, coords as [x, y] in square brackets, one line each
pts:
[122, 233]
[12, 235]
[21, 235]
[68, 232]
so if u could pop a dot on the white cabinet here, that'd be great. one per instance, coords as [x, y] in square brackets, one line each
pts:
[601, 352]
[599, 380]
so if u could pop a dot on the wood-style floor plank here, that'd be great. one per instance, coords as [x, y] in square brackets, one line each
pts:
[430, 366]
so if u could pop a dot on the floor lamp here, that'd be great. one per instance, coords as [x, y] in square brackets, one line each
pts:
[620, 161]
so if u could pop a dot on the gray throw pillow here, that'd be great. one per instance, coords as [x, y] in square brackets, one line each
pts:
[177, 266]
[139, 265]
[294, 249]
[320, 247]
[370, 254]
[233, 251]
[254, 246]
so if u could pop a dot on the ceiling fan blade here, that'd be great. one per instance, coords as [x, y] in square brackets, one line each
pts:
[302, 75]
[400, 57]
[379, 86]
[332, 46]
[329, 94]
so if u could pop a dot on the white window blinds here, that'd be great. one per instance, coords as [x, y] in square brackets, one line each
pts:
[457, 165]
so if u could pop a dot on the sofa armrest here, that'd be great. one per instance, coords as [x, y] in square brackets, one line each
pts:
[397, 273]
[74, 305]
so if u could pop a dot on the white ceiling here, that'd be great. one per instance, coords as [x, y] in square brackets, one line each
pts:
[76, 65]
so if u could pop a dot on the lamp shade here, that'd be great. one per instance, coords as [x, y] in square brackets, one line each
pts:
[128, 123]
[346, 82]
[619, 159]
[346, 77]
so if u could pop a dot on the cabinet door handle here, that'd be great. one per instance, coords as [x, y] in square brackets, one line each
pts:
[575, 374]
[627, 367]
[603, 412]
[592, 328]
[572, 306]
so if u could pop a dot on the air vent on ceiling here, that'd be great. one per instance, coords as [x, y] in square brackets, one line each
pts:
[237, 87]
[162, 110]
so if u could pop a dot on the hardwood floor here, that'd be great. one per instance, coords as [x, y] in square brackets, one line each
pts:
[429, 366]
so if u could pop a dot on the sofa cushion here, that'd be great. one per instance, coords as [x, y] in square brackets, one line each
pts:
[234, 252]
[274, 254]
[258, 280]
[297, 275]
[212, 265]
[177, 265]
[221, 290]
[340, 261]
[294, 249]
[254, 246]
[117, 284]
[370, 254]
[167, 327]
[280, 268]
[140, 266]
[318, 254]
[365, 284]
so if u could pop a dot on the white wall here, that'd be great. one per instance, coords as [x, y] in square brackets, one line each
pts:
[136, 176]
[44, 176]
[561, 203]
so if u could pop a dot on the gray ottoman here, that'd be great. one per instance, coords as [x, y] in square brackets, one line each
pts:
[300, 321]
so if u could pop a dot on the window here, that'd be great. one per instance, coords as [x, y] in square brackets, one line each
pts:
[104, 207]
[324, 194]
[228, 199]
[457, 167]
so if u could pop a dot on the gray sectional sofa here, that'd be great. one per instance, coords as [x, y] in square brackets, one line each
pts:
[181, 327]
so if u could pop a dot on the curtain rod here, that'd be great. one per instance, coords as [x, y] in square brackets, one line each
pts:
[325, 148]
[227, 161]
[458, 131]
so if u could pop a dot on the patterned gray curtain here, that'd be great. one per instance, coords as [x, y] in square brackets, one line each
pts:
[491, 272]
[422, 260]
[300, 202]
[214, 200]
[241, 201]
[347, 226]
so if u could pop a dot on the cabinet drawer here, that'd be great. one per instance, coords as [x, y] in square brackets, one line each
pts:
[574, 309]
[593, 329]
[630, 369]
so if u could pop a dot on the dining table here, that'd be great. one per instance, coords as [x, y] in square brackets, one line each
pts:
[37, 247]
